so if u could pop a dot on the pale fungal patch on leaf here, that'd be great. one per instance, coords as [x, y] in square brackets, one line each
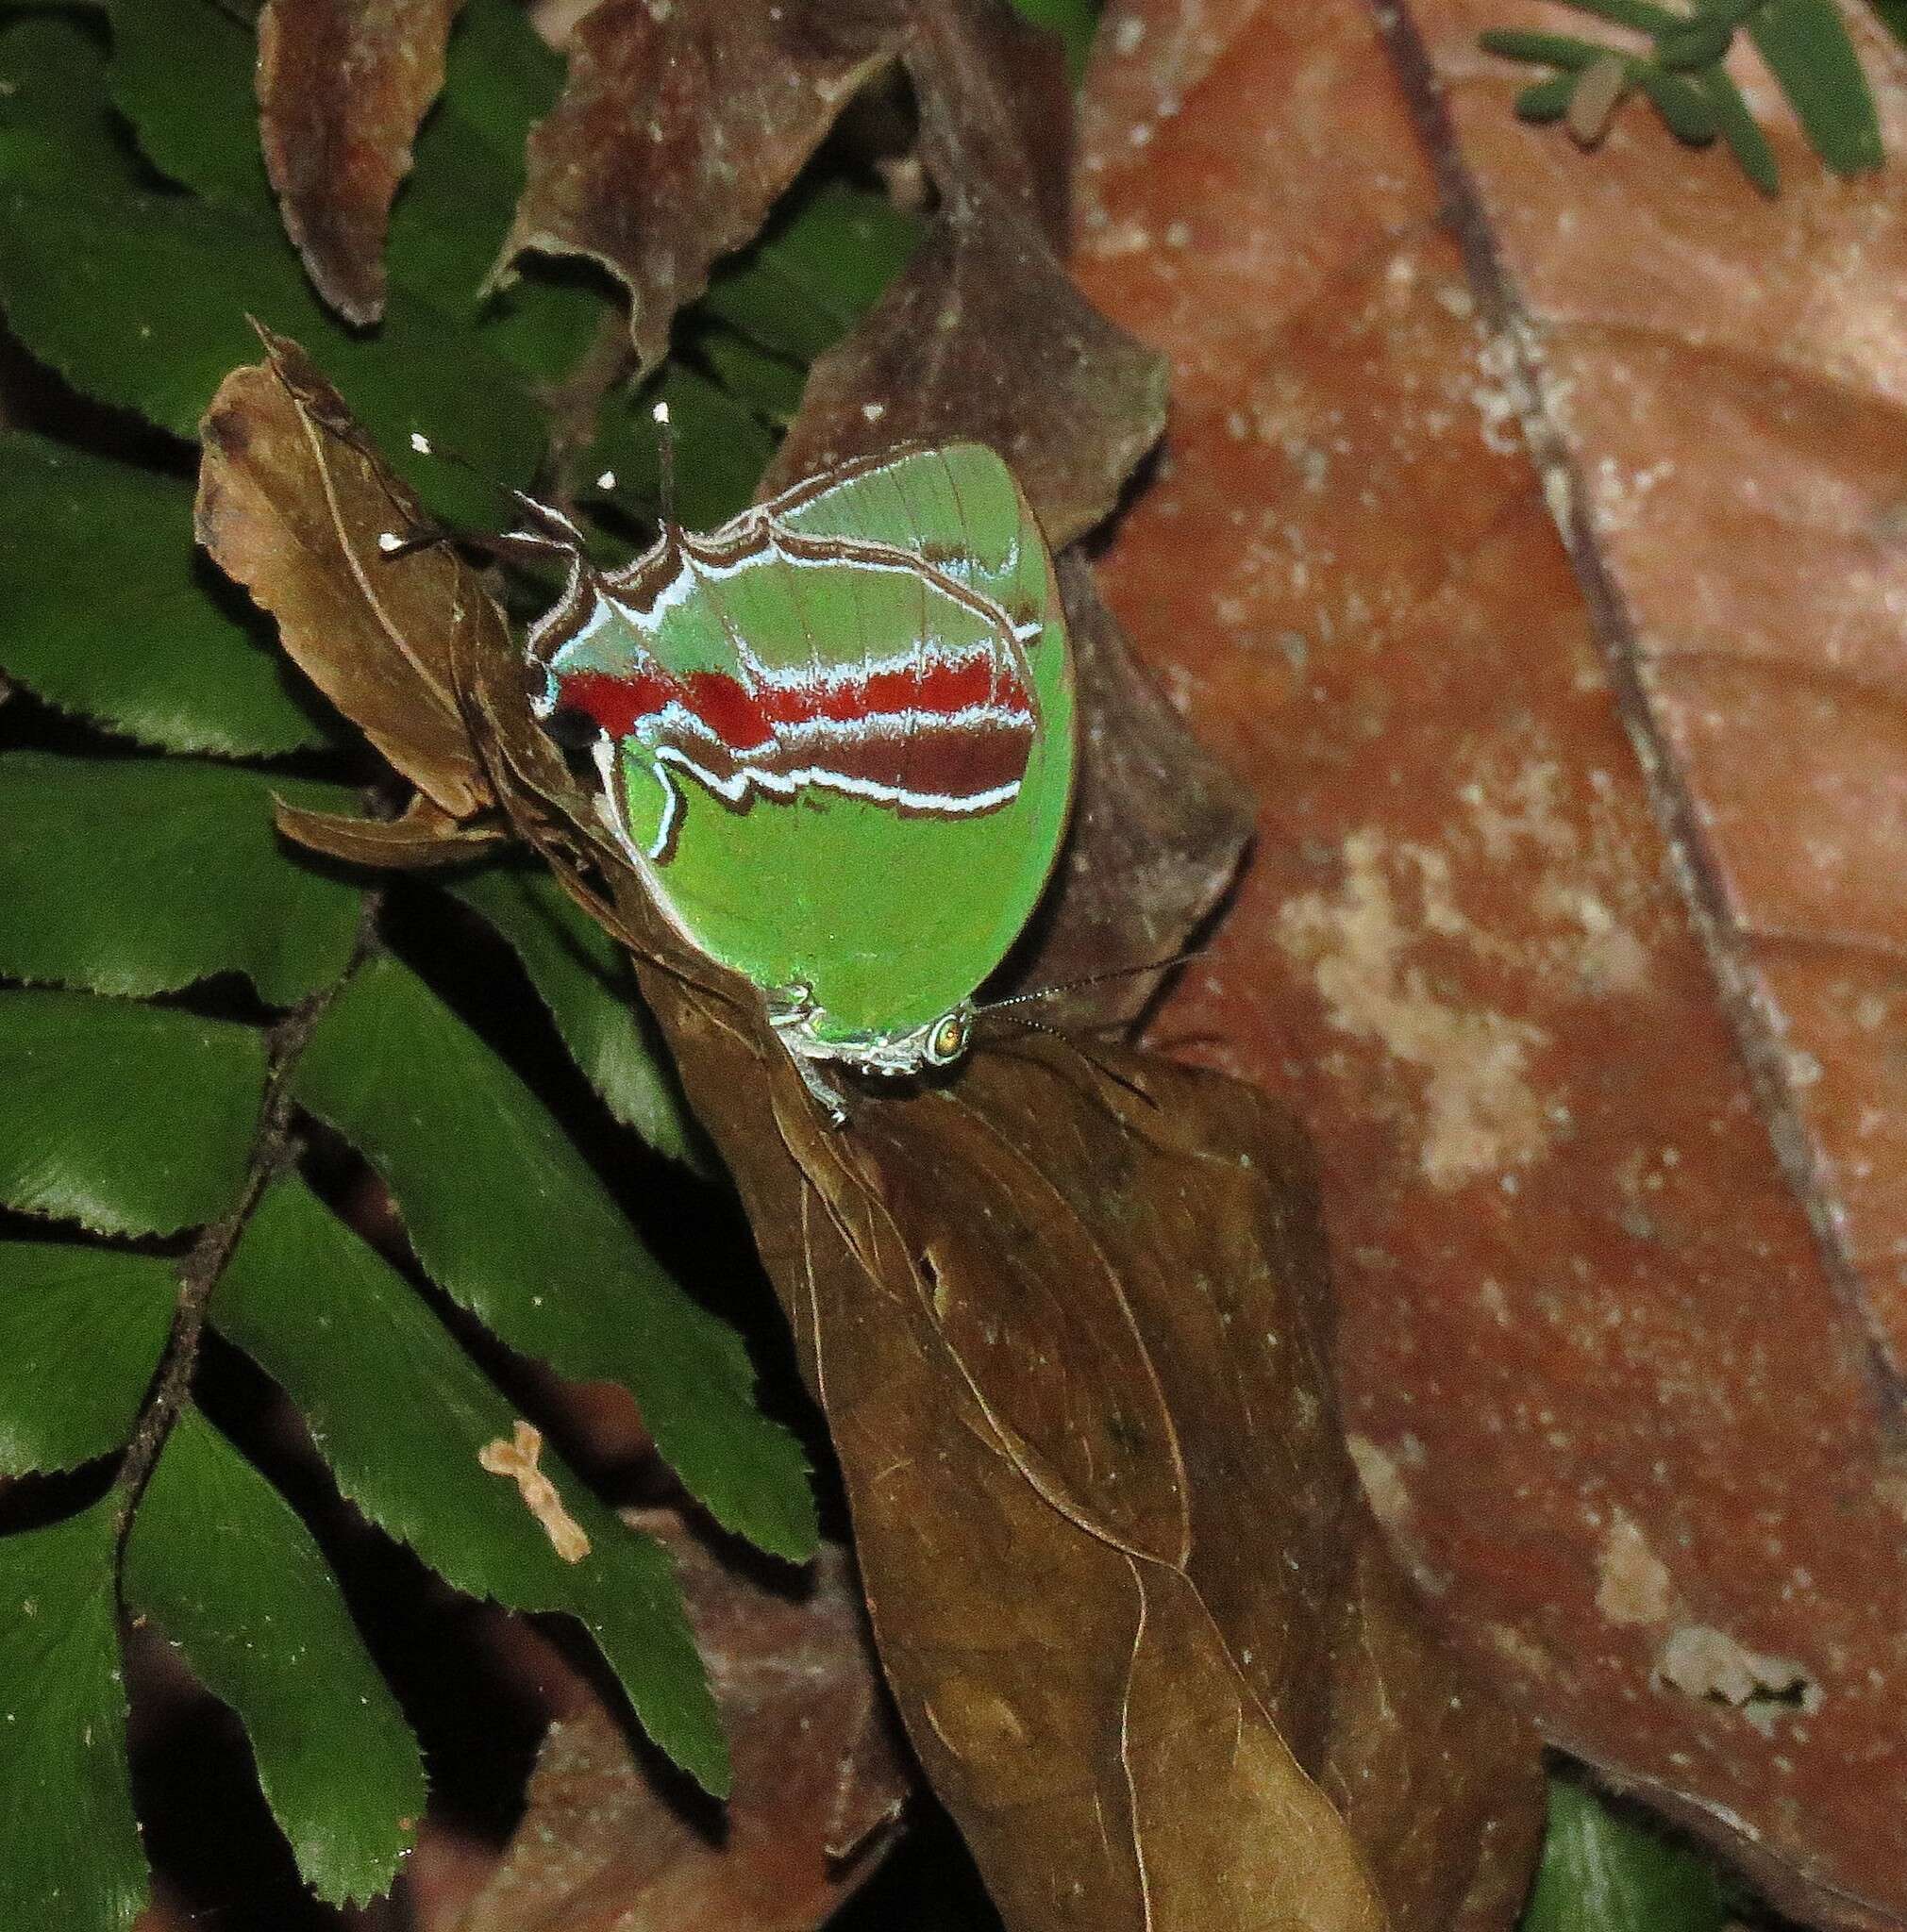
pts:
[1703, 1662]
[1517, 812]
[1480, 1112]
[1383, 1481]
[1520, 1651]
[1633, 1584]
[1380, 1472]
[517, 1459]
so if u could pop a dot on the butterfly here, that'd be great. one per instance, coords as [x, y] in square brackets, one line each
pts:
[836, 738]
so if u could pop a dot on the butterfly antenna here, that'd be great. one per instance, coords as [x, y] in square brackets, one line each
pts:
[422, 537]
[665, 453]
[552, 531]
[1067, 986]
[1093, 1060]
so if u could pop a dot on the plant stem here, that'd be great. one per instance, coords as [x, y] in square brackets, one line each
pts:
[205, 1262]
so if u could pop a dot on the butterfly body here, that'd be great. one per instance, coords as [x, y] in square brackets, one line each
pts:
[836, 737]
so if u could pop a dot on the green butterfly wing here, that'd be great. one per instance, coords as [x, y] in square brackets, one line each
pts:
[890, 915]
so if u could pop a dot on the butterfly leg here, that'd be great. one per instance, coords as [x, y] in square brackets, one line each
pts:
[829, 1097]
[790, 1007]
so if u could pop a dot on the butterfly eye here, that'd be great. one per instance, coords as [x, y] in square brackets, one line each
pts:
[948, 1039]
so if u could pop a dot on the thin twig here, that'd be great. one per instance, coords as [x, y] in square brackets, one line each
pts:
[205, 1262]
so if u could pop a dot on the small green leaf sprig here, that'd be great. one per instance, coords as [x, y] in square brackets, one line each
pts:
[1683, 75]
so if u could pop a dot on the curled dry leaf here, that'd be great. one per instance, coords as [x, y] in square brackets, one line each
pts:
[984, 334]
[291, 502]
[1575, 919]
[681, 126]
[424, 836]
[342, 87]
[604, 1847]
[1158, 827]
[677, 128]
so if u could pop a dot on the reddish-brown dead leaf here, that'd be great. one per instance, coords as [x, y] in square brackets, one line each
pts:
[292, 503]
[1574, 924]
[424, 836]
[677, 128]
[604, 1847]
[342, 87]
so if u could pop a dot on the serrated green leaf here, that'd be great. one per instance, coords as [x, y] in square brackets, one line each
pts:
[1074, 21]
[1694, 43]
[400, 1413]
[1548, 100]
[1742, 132]
[70, 1855]
[182, 76]
[222, 1563]
[1601, 1871]
[583, 977]
[1555, 50]
[140, 300]
[446, 229]
[141, 875]
[1686, 112]
[128, 1118]
[53, 82]
[501, 75]
[768, 384]
[721, 447]
[1639, 15]
[1809, 53]
[509, 1217]
[106, 609]
[824, 260]
[500, 78]
[81, 1333]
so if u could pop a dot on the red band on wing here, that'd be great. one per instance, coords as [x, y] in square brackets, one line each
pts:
[745, 720]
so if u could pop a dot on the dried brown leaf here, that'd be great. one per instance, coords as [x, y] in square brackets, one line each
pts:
[604, 1847]
[291, 502]
[342, 87]
[1573, 922]
[983, 335]
[1158, 827]
[424, 836]
[1064, 1319]
[677, 128]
